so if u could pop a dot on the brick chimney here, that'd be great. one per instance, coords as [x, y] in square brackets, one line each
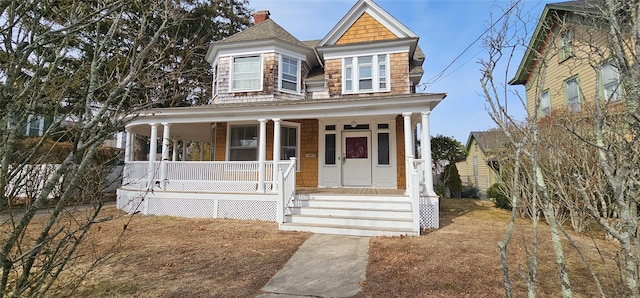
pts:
[260, 16]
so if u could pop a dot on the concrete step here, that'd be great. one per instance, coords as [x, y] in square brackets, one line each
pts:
[385, 198]
[352, 212]
[339, 203]
[353, 221]
[346, 230]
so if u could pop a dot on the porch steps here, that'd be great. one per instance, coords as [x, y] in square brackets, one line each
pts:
[351, 215]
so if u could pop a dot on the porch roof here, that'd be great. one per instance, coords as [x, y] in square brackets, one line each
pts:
[194, 123]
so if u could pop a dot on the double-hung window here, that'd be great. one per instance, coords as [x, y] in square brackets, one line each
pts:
[289, 70]
[363, 74]
[572, 94]
[246, 73]
[545, 104]
[289, 143]
[566, 44]
[244, 143]
[610, 82]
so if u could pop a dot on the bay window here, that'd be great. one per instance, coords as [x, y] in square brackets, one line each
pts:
[289, 70]
[246, 73]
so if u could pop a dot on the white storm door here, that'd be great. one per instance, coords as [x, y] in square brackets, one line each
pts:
[356, 158]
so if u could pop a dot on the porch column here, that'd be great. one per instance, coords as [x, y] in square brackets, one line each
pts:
[128, 143]
[174, 151]
[153, 149]
[184, 150]
[201, 146]
[262, 153]
[425, 151]
[276, 152]
[408, 149]
[166, 135]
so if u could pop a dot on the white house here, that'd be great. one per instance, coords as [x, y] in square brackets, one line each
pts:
[292, 128]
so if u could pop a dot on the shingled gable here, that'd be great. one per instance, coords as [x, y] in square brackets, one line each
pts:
[266, 31]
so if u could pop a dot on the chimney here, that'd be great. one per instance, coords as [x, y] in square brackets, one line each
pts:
[260, 16]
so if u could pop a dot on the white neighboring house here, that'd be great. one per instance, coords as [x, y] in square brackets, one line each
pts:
[294, 125]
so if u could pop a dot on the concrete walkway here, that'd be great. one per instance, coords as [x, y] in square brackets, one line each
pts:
[323, 266]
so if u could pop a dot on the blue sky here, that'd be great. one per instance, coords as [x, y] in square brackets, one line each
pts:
[445, 28]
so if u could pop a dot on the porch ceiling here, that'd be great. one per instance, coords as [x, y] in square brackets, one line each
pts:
[194, 123]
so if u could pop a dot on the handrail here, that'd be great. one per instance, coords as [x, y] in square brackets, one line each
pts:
[287, 188]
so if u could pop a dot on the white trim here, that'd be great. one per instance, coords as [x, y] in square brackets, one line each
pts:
[375, 74]
[231, 73]
[298, 74]
[260, 46]
[375, 11]
[350, 51]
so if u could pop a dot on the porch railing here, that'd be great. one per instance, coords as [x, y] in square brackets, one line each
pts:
[425, 206]
[287, 189]
[212, 176]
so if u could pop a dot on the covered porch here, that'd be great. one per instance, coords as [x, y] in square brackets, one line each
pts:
[183, 175]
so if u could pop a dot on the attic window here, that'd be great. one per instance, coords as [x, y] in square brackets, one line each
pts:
[566, 44]
[289, 70]
[246, 73]
[365, 74]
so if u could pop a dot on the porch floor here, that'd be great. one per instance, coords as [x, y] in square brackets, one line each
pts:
[350, 191]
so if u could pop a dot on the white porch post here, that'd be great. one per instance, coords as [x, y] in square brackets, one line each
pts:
[174, 151]
[408, 149]
[153, 149]
[262, 153]
[128, 143]
[166, 135]
[276, 152]
[426, 155]
[184, 150]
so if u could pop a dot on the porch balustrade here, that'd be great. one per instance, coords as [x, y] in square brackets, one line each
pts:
[196, 176]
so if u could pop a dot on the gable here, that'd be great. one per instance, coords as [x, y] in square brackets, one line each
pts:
[365, 29]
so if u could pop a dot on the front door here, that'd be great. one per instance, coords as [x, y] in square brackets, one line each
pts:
[356, 158]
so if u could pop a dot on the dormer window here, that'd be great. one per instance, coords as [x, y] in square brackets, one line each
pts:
[289, 74]
[365, 74]
[246, 73]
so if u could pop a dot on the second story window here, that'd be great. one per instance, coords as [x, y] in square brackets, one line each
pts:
[289, 69]
[246, 74]
[215, 79]
[365, 74]
[545, 104]
[572, 94]
[566, 44]
[610, 82]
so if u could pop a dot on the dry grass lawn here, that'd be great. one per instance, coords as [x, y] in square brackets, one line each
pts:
[176, 257]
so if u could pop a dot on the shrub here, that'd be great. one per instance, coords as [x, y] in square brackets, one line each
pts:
[497, 193]
[470, 192]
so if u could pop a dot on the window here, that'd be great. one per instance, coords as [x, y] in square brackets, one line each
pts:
[383, 148]
[330, 149]
[365, 74]
[545, 104]
[610, 82]
[289, 69]
[244, 143]
[246, 73]
[572, 94]
[566, 44]
[35, 126]
[215, 80]
[288, 142]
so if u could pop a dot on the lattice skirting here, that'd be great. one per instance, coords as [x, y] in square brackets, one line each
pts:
[233, 206]
[429, 213]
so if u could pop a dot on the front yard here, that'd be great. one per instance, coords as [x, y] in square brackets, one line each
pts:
[175, 257]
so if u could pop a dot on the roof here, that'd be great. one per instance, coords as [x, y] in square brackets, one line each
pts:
[268, 29]
[489, 142]
[542, 28]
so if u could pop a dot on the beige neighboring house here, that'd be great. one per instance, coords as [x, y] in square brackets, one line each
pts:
[295, 126]
[568, 63]
[480, 168]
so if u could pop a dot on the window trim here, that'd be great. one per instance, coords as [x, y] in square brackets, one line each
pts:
[354, 68]
[229, 138]
[566, 44]
[281, 76]
[285, 124]
[566, 93]
[601, 83]
[541, 108]
[232, 72]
